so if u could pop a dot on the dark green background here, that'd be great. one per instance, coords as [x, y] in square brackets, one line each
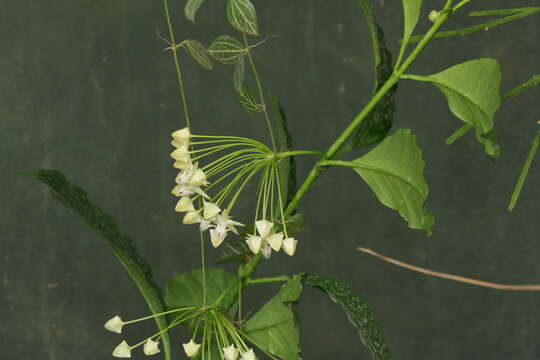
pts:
[85, 88]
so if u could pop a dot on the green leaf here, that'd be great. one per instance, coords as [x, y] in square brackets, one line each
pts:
[379, 122]
[239, 71]
[287, 166]
[394, 170]
[242, 16]
[274, 328]
[187, 290]
[247, 99]
[226, 49]
[358, 312]
[199, 53]
[121, 246]
[411, 14]
[295, 224]
[473, 93]
[524, 172]
[191, 8]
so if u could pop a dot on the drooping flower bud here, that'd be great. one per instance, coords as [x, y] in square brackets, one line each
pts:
[275, 241]
[191, 348]
[123, 350]
[264, 227]
[115, 324]
[248, 355]
[231, 353]
[217, 237]
[254, 243]
[184, 205]
[191, 217]
[210, 210]
[181, 137]
[151, 347]
[289, 246]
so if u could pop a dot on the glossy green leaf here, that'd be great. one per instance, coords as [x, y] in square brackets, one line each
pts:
[394, 170]
[473, 93]
[191, 8]
[247, 99]
[198, 53]
[239, 71]
[358, 312]
[122, 247]
[287, 166]
[411, 14]
[242, 16]
[186, 289]
[274, 328]
[379, 122]
[226, 49]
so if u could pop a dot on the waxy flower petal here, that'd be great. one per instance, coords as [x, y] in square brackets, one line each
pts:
[182, 136]
[198, 179]
[191, 348]
[217, 237]
[264, 227]
[184, 205]
[115, 324]
[289, 246]
[151, 347]
[191, 217]
[123, 350]
[254, 243]
[210, 210]
[275, 241]
[231, 353]
[249, 355]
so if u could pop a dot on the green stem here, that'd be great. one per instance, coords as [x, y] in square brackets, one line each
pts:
[524, 172]
[203, 269]
[176, 62]
[267, 280]
[298, 152]
[458, 134]
[521, 88]
[261, 93]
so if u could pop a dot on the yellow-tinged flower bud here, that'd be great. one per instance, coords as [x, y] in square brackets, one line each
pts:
[210, 210]
[184, 204]
[115, 324]
[231, 353]
[275, 241]
[191, 217]
[289, 246]
[249, 355]
[151, 347]
[254, 243]
[182, 136]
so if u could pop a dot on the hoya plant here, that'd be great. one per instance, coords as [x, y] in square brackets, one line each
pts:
[217, 171]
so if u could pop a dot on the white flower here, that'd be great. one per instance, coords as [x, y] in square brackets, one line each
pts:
[151, 347]
[115, 324]
[248, 355]
[191, 217]
[254, 243]
[210, 210]
[217, 235]
[231, 353]
[191, 348]
[181, 137]
[123, 350]
[184, 205]
[289, 246]
[189, 182]
[265, 240]
[224, 220]
[205, 225]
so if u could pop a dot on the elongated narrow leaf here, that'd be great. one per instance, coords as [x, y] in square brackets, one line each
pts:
[274, 328]
[358, 312]
[524, 172]
[247, 99]
[287, 166]
[473, 93]
[239, 71]
[242, 16]
[226, 49]
[121, 246]
[394, 170]
[199, 53]
[191, 8]
[379, 122]
[187, 289]
[411, 14]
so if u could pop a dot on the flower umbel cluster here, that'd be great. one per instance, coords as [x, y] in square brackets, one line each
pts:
[232, 171]
[213, 330]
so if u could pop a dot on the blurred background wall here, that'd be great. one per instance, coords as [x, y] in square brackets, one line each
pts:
[86, 88]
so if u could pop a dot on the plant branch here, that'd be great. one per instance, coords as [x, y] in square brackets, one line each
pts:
[450, 276]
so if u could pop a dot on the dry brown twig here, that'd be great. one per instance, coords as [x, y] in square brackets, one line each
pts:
[450, 276]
